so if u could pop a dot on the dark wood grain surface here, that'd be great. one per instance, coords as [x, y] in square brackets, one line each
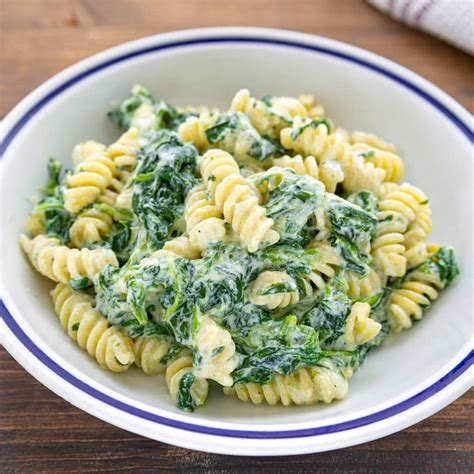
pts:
[40, 432]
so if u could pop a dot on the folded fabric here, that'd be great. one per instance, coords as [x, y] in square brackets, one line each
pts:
[451, 20]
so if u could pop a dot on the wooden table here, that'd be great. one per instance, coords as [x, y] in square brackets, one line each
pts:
[41, 432]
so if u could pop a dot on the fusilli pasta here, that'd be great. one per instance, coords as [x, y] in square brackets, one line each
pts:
[108, 345]
[203, 219]
[62, 264]
[368, 285]
[84, 150]
[175, 371]
[183, 247]
[313, 138]
[329, 172]
[150, 353]
[360, 328]
[235, 199]
[91, 178]
[306, 385]
[313, 108]
[386, 160]
[267, 120]
[123, 152]
[264, 290]
[194, 130]
[409, 301]
[89, 227]
[358, 136]
[323, 269]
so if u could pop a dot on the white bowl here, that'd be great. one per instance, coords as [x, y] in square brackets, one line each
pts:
[412, 376]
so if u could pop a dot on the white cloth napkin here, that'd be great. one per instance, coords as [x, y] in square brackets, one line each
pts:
[451, 20]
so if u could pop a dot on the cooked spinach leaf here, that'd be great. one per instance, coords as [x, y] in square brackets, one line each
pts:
[234, 133]
[352, 229]
[55, 219]
[162, 178]
[292, 202]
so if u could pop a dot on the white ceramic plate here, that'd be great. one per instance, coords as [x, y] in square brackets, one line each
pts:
[412, 376]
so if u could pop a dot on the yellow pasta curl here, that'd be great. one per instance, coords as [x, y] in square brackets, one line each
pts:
[267, 120]
[362, 287]
[204, 221]
[390, 162]
[124, 151]
[124, 199]
[418, 231]
[236, 200]
[34, 223]
[175, 371]
[313, 138]
[358, 136]
[183, 247]
[194, 130]
[60, 263]
[84, 150]
[323, 269]
[89, 227]
[108, 345]
[329, 172]
[409, 301]
[273, 300]
[90, 180]
[305, 386]
[360, 328]
[150, 352]
[217, 352]
[313, 108]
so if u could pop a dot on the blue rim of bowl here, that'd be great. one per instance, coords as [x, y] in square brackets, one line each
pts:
[15, 328]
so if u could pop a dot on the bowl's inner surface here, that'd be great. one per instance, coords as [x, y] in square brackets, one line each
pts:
[437, 158]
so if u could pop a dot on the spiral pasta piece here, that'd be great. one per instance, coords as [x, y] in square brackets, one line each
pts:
[84, 150]
[313, 138]
[273, 300]
[34, 223]
[387, 247]
[414, 296]
[108, 345]
[236, 200]
[358, 137]
[197, 109]
[150, 353]
[175, 371]
[203, 219]
[62, 264]
[386, 160]
[268, 121]
[368, 285]
[397, 210]
[124, 199]
[124, 151]
[404, 226]
[360, 328]
[113, 194]
[216, 348]
[418, 231]
[305, 386]
[290, 106]
[323, 269]
[144, 118]
[89, 227]
[183, 247]
[193, 129]
[313, 108]
[91, 178]
[329, 172]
